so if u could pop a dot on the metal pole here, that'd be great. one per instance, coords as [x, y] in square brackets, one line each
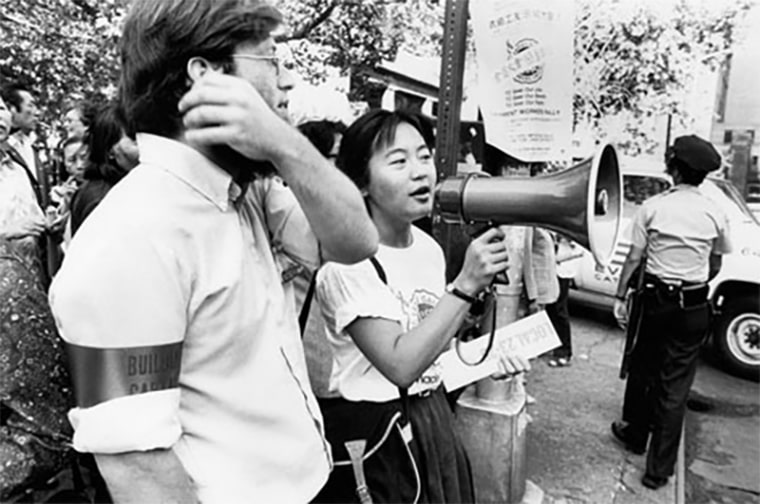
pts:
[452, 238]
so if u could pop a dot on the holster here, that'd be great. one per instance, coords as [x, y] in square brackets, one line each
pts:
[687, 295]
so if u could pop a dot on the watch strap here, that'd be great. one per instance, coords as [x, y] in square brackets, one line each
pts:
[451, 289]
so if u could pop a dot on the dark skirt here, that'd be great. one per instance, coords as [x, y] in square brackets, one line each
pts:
[442, 461]
[430, 466]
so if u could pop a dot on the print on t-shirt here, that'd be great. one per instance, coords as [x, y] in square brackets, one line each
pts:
[415, 310]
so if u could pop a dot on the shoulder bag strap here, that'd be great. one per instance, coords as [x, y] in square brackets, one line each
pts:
[304, 315]
[380, 271]
[402, 392]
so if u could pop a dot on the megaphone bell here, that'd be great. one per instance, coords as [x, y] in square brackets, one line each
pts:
[584, 202]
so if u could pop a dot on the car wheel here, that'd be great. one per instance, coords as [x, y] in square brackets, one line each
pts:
[737, 337]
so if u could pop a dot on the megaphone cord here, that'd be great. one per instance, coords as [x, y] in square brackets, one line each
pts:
[491, 337]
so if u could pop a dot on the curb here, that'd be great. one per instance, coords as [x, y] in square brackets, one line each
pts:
[681, 470]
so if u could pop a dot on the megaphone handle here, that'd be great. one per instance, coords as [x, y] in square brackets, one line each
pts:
[500, 278]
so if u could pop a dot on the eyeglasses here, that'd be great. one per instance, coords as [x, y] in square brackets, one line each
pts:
[261, 57]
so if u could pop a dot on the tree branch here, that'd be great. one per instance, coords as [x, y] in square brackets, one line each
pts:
[22, 22]
[303, 31]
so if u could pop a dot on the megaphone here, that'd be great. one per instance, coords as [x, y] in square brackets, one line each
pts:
[584, 202]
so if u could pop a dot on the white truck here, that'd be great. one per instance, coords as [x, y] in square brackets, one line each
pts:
[734, 292]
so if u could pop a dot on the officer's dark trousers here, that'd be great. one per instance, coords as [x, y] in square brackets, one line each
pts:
[662, 371]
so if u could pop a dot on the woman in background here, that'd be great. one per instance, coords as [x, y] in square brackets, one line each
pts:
[112, 154]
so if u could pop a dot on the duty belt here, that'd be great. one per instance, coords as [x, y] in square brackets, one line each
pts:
[688, 293]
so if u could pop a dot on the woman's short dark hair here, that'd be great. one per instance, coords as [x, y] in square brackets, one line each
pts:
[87, 110]
[322, 134]
[688, 174]
[372, 131]
[105, 131]
[160, 37]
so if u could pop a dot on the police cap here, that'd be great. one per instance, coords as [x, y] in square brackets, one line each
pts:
[697, 153]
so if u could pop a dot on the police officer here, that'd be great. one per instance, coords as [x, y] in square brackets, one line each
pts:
[680, 235]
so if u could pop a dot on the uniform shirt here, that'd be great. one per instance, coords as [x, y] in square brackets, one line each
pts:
[680, 228]
[166, 271]
[416, 281]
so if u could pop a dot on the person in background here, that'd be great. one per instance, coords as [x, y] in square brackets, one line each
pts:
[389, 320]
[74, 161]
[678, 237]
[26, 145]
[35, 390]
[22, 221]
[77, 120]
[74, 157]
[186, 358]
[112, 154]
[325, 135]
[24, 117]
[567, 255]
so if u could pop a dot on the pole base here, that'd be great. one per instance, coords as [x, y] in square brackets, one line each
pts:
[493, 433]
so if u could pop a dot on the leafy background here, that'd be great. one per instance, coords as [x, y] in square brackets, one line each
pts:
[636, 59]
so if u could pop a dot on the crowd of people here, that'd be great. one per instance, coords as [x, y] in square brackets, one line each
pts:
[215, 305]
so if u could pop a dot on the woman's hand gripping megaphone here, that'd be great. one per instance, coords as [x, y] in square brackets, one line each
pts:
[485, 258]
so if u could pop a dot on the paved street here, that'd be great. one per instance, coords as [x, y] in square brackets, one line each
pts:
[572, 458]
[571, 454]
[723, 439]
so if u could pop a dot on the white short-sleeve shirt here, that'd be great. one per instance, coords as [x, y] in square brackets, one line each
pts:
[680, 228]
[173, 295]
[415, 283]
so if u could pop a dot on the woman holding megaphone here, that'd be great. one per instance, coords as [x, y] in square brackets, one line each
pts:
[388, 319]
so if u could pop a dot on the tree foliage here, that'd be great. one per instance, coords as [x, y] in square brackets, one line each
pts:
[634, 57]
[354, 35]
[641, 59]
[63, 49]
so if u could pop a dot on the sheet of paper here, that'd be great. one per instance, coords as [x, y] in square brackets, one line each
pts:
[530, 337]
[524, 53]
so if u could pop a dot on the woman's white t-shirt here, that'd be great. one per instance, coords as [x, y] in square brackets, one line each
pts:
[416, 281]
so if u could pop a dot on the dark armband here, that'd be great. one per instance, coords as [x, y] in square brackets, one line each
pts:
[102, 374]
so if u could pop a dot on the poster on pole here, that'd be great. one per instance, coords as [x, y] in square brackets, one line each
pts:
[524, 52]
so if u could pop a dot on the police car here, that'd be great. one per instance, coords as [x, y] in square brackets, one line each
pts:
[734, 292]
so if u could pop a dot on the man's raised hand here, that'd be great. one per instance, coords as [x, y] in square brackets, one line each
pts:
[225, 109]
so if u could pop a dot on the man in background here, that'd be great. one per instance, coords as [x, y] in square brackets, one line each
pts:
[678, 237]
[24, 112]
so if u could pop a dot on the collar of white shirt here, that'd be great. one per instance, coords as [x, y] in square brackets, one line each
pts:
[191, 166]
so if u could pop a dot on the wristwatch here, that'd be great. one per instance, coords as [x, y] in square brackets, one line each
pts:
[451, 289]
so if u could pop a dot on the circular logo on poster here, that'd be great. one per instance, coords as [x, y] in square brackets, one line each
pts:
[526, 61]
